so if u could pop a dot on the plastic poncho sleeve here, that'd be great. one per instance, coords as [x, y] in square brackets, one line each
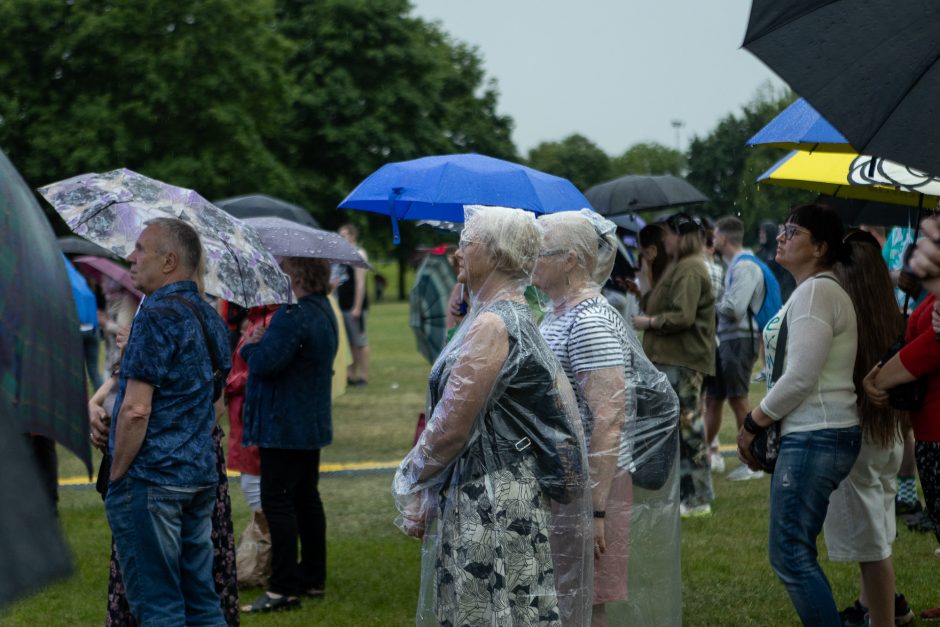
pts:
[476, 368]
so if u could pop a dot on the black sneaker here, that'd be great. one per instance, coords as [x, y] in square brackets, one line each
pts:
[854, 615]
[919, 522]
[903, 614]
[905, 508]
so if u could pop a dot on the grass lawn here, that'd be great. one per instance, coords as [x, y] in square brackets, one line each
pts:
[374, 569]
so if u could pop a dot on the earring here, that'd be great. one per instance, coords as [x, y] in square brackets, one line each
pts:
[567, 281]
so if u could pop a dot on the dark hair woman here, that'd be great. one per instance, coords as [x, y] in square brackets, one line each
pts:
[919, 359]
[814, 401]
[860, 521]
[653, 257]
[679, 339]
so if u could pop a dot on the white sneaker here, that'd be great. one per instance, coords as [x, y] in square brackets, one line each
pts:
[695, 511]
[717, 461]
[743, 473]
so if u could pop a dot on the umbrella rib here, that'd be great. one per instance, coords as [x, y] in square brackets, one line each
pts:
[789, 21]
[99, 210]
[241, 274]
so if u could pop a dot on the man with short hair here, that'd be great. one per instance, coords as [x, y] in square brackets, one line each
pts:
[738, 335]
[354, 305]
[163, 470]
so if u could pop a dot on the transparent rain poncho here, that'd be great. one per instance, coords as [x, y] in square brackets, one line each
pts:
[631, 419]
[497, 484]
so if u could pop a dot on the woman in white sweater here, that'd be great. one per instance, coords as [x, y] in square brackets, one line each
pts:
[813, 399]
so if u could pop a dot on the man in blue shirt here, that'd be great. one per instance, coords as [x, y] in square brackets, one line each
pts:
[163, 475]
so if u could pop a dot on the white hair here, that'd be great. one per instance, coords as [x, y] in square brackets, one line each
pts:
[511, 236]
[590, 236]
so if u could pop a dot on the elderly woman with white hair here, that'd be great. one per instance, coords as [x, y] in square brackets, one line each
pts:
[501, 467]
[608, 370]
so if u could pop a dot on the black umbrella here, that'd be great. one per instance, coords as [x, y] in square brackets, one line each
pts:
[637, 193]
[629, 221]
[263, 206]
[73, 245]
[868, 66]
[858, 212]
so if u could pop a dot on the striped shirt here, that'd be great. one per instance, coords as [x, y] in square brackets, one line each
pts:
[590, 336]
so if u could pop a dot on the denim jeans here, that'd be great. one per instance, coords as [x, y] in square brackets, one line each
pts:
[809, 468]
[164, 547]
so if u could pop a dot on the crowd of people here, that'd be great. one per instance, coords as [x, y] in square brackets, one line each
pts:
[558, 448]
[818, 315]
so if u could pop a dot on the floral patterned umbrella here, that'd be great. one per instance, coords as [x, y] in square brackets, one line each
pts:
[112, 208]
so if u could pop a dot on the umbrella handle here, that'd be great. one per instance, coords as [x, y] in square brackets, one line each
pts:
[394, 195]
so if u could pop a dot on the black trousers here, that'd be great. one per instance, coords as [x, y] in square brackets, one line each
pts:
[48, 464]
[292, 505]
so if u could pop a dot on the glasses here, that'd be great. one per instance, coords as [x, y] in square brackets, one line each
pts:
[465, 243]
[552, 253]
[789, 231]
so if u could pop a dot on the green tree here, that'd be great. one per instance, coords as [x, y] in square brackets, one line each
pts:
[725, 169]
[575, 158]
[192, 92]
[648, 158]
[375, 85]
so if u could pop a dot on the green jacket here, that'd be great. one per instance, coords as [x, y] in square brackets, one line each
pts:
[682, 307]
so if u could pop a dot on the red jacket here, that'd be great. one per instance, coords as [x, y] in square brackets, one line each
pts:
[240, 458]
[921, 357]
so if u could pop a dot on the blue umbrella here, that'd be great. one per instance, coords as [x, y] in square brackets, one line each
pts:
[84, 298]
[801, 127]
[437, 188]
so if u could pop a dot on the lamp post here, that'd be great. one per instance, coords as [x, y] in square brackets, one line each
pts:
[678, 124]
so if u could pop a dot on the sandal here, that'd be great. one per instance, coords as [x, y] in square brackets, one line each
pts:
[267, 603]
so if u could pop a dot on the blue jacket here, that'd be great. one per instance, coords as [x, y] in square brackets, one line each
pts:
[290, 381]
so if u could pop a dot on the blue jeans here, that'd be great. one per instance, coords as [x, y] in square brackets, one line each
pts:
[164, 548]
[809, 468]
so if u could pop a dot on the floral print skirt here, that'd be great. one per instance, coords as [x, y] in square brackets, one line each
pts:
[494, 563]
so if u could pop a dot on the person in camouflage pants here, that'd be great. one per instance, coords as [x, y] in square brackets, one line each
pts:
[695, 481]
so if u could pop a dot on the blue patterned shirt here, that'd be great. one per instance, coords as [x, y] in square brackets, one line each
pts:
[168, 350]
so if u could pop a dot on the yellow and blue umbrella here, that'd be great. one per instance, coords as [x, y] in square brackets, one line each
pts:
[850, 175]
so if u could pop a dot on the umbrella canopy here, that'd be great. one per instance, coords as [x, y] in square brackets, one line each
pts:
[111, 270]
[846, 175]
[284, 238]
[857, 212]
[629, 221]
[111, 209]
[85, 302]
[72, 245]
[43, 387]
[868, 66]
[437, 188]
[800, 127]
[635, 192]
[428, 310]
[264, 206]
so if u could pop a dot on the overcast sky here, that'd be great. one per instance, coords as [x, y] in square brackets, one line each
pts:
[616, 71]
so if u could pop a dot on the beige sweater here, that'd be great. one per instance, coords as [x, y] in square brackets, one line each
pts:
[682, 307]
